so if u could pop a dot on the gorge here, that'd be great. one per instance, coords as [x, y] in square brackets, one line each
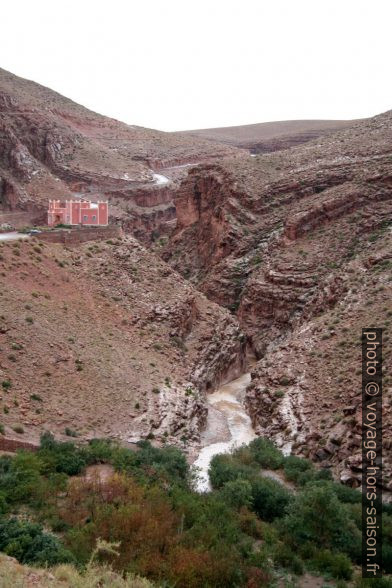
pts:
[180, 391]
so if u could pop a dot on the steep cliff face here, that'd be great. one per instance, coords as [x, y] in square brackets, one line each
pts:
[51, 147]
[306, 391]
[282, 240]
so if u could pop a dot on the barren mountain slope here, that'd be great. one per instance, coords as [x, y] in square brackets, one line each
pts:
[106, 340]
[271, 136]
[51, 147]
[297, 243]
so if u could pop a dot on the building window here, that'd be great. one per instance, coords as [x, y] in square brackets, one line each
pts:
[94, 218]
[84, 218]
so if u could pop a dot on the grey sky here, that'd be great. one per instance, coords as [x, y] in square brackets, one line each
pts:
[182, 64]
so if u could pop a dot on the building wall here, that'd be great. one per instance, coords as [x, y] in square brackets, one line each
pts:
[103, 216]
[78, 213]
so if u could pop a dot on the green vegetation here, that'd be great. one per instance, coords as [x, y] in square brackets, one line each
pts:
[36, 397]
[18, 429]
[28, 543]
[248, 531]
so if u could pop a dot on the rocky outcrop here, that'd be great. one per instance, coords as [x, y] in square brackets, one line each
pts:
[296, 244]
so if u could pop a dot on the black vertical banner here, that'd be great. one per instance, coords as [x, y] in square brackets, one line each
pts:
[372, 453]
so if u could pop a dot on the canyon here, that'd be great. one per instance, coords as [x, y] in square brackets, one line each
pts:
[260, 251]
[297, 245]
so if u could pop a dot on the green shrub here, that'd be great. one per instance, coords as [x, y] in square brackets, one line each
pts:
[29, 544]
[36, 397]
[345, 494]
[296, 467]
[101, 450]
[373, 582]
[266, 454]
[18, 429]
[62, 457]
[270, 499]
[224, 468]
[19, 476]
[124, 460]
[286, 558]
[317, 516]
[336, 565]
[167, 462]
[237, 493]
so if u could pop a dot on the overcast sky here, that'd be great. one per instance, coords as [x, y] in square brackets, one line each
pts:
[185, 64]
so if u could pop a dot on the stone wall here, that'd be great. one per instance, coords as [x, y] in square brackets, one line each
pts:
[81, 235]
[15, 444]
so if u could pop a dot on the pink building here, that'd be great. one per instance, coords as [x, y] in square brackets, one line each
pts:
[78, 212]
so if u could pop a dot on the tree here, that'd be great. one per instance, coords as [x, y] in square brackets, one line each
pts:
[317, 516]
[237, 493]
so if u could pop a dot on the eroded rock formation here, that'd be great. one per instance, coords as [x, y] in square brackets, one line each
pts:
[297, 245]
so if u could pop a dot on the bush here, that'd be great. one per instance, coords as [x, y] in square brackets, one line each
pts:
[20, 476]
[284, 557]
[224, 468]
[298, 470]
[168, 462]
[101, 450]
[237, 494]
[62, 457]
[316, 516]
[266, 454]
[336, 565]
[36, 397]
[124, 460]
[373, 582]
[29, 544]
[270, 499]
[345, 494]
[18, 429]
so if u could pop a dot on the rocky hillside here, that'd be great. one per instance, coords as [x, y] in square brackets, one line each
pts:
[297, 243]
[271, 136]
[51, 147]
[103, 339]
